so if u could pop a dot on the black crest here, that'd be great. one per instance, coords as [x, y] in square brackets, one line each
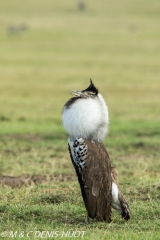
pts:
[91, 88]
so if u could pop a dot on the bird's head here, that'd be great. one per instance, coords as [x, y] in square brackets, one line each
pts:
[91, 91]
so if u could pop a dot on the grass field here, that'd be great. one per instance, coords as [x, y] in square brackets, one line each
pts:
[117, 44]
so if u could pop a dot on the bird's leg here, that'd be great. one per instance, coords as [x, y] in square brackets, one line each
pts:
[87, 220]
[90, 220]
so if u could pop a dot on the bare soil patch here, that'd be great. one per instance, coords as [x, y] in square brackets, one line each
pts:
[24, 181]
[35, 137]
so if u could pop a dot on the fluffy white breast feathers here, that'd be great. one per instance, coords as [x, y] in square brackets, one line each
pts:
[86, 115]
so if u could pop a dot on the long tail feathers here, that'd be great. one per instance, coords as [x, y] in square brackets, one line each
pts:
[124, 207]
[118, 201]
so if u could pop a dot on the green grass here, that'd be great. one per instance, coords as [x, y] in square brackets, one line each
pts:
[116, 43]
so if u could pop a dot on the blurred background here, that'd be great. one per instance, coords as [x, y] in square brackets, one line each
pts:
[49, 47]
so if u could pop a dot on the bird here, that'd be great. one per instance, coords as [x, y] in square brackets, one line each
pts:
[85, 118]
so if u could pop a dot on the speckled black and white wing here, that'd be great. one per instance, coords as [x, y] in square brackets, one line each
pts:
[93, 168]
[78, 153]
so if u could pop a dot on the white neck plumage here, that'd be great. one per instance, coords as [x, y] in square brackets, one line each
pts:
[87, 118]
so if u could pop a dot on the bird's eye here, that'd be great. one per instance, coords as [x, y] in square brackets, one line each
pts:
[91, 94]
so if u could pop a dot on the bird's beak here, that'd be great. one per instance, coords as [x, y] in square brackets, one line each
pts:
[78, 93]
